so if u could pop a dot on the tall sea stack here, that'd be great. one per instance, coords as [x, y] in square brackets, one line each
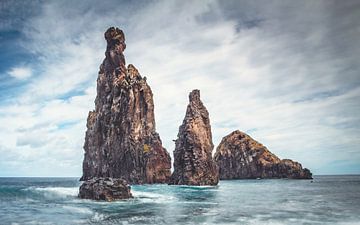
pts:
[121, 140]
[193, 163]
[241, 157]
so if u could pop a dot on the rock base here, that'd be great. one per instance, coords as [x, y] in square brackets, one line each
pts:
[107, 189]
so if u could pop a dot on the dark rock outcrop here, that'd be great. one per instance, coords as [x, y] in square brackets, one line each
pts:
[121, 140]
[108, 189]
[193, 163]
[241, 157]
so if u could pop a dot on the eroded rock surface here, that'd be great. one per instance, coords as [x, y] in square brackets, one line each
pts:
[193, 163]
[241, 157]
[107, 189]
[121, 140]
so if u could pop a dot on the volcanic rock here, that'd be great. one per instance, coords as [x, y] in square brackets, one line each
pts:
[241, 157]
[108, 189]
[193, 163]
[121, 140]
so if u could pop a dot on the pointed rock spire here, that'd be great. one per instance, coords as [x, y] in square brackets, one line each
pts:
[193, 163]
[121, 140]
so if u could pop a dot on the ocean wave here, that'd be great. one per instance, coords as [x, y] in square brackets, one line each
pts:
[199, 202]
[152, 197]
[98, 217]
[6, 192]
[75, 209]
[204, 187]
[56, 191]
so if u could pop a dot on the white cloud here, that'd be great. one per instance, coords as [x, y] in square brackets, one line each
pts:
[21, 73]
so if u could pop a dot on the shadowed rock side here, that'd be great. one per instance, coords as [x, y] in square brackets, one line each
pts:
[121, 141]
[193, 163]
[239, 157]
[108, 189]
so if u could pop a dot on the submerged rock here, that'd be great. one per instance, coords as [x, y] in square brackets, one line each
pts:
[193, 163]
[239, 157]
[121, 140]
[108, 189]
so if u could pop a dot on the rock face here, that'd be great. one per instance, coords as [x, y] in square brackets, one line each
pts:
[121, 140]
[241, 157]
[108, 189]
[193, 163]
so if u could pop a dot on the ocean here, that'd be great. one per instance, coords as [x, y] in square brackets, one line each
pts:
[325, 200]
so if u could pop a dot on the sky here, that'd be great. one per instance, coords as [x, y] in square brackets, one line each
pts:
[285, 72]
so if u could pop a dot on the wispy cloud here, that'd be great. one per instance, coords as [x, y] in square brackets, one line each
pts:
[21, 73]
[280, 70]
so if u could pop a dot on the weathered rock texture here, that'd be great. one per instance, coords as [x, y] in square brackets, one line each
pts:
[108, 189]
[121, 141]
[193, 163]
[240, 157]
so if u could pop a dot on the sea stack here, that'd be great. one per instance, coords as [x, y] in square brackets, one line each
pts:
[193, 162]
[121, 140]
[241, 157]
[106, 189]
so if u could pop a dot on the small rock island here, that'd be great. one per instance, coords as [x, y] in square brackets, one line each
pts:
[193, 162]
[241, 157]
[108, 189]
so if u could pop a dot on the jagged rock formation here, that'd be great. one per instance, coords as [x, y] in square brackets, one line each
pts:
[193, 163]
[241, 157]
[121, 141]
[108, 189]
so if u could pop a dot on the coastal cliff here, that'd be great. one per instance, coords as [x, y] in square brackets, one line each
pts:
[121, 140]
[193, 163]
[241, 157]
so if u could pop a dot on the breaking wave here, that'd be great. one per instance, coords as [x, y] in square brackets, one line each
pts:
[62, 192]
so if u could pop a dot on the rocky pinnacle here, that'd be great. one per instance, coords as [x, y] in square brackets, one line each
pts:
[121, 140]
[193, 163]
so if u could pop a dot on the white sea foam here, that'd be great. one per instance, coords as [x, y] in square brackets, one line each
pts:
[197, 187]
[152, 197]
[57, 191]
[82, 210]
[30, 200]
[200, 202]
[98, 217]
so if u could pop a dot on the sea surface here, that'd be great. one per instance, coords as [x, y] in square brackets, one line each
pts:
[325, 200]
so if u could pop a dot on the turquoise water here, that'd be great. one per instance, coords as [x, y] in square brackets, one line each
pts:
[326, 200]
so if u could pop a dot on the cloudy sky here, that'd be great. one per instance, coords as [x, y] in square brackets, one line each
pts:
[285, 72]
